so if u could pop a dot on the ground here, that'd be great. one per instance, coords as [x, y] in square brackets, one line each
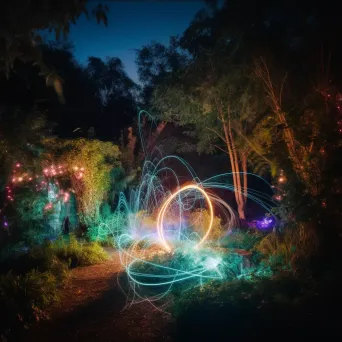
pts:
[93, 308]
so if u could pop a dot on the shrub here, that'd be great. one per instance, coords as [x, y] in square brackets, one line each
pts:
[287, 249]
[200, 219]
[162, 272]
[78, 254]
[258, 308]
[32, 284]
[23, 297]
[241, 240]
[34, 236]
[108, 227]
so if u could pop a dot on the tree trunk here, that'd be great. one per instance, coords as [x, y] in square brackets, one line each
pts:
[152, 139]
[229, 140]
[154, 136]
[240, 189]
[241, 210]
[244, 170]
[297, 153]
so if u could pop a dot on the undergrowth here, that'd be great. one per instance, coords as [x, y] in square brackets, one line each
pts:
[29, 282]
[278, 293]
[292, 304]
[241, 240]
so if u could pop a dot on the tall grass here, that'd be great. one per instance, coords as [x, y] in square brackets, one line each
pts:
[241, 240]
[29, 282]
[288, 248]
[77, 253]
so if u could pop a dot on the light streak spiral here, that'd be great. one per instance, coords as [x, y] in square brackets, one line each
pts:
[155, 259]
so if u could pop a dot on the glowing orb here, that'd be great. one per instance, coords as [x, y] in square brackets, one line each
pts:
[160, 219]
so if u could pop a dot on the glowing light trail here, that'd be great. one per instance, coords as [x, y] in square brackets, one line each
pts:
[155, 258]
[161, 215]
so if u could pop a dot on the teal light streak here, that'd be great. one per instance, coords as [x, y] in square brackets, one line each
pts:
[195, 267]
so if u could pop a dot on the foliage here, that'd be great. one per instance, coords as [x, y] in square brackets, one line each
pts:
[285, 303]
[219, 101]
[27, 217]
[31, 205]
[241, 240]
[162, 267]
[78, 254]
[22, 297]
[33, 235]
[21, 41]
[89, 164]
[200, 219]
[21, 132]
[108, 228]
[118, 95]
[156, 62]
[29, 282]
[32, 216]
[55, 257]
[290, 248]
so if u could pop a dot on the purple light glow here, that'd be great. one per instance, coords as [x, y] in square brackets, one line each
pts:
[264, 223]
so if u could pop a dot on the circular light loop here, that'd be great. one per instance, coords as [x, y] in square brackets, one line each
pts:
[161, 215]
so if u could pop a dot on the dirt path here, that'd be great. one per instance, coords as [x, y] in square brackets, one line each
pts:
[92, 308]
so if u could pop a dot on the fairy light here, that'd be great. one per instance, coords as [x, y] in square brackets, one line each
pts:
[48, 206]
[66, 197]
[20, 178]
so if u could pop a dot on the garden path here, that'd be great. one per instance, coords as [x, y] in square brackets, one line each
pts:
[92, 308]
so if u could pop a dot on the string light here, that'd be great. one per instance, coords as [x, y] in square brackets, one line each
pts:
[48, 173]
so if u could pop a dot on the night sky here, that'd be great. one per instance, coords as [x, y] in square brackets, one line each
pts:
[131, 24]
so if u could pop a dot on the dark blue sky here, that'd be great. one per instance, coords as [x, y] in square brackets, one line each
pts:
[131, 24]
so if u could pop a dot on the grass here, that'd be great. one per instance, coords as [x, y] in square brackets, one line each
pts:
[290, 249]
[78, 254]
[29, 282]
[279, 294]
[241, 240]
[259, 308]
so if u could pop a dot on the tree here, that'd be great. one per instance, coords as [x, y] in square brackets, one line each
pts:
[156, 62]
[26, 89]
[213, 93]
[99, 96]
[88, 164]
[218, 102]
[118, 95]
[21, 134]
[22, 22]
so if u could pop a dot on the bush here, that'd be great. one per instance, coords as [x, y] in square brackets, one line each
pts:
[295, 245]
[32, 283]
[176, 273]
[22, 298]
[78, 254]
[200, 219]
[241, 240]
[260, 308]
[109, 227]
